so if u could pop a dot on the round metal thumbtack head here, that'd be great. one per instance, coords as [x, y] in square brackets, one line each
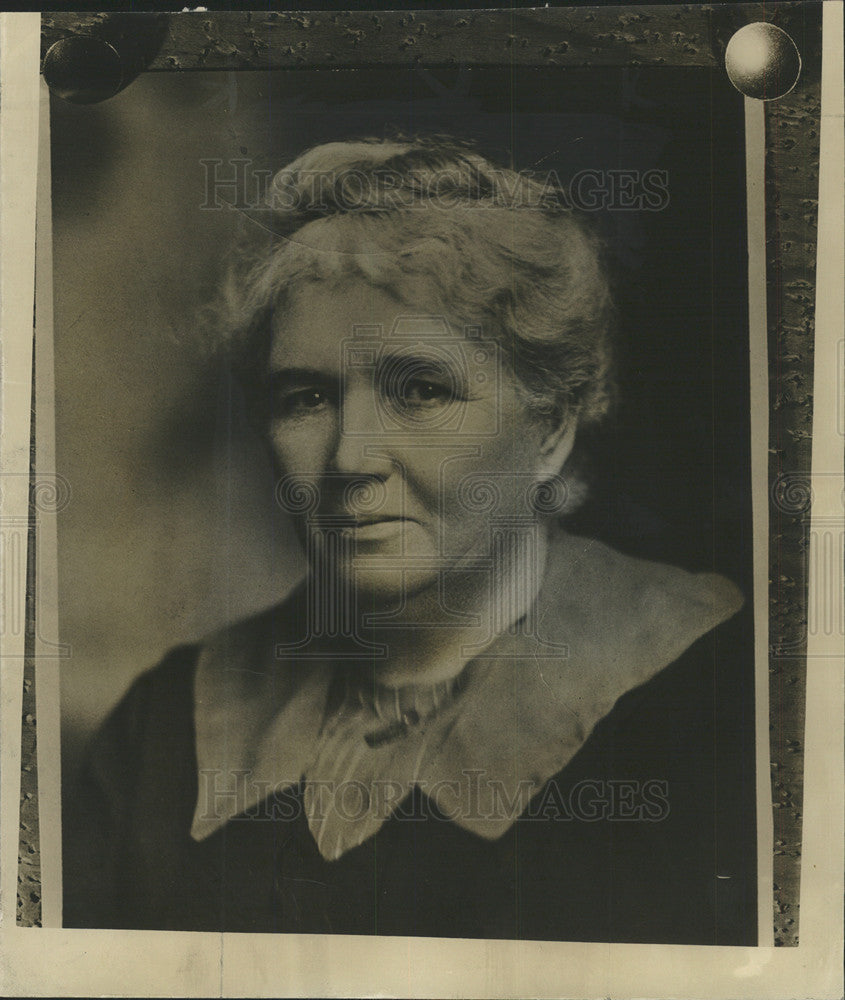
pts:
[762, 61]
[83, 69]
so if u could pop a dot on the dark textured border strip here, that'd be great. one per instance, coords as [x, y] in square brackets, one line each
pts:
[29, 845]
[641, 35]
[597, 36]
[792, 186]
[29, 853]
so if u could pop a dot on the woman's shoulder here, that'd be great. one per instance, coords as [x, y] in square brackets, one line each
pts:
[589, 567]
[624, 618]
[172, 677]
[158, 704]
[156, 714]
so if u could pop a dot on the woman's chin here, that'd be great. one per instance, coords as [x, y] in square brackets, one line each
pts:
[390, 587]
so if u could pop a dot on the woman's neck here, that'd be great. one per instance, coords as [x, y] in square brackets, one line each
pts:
[438, 631]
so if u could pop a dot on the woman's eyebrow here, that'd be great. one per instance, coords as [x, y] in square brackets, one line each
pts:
[425, 364]
[282, 378]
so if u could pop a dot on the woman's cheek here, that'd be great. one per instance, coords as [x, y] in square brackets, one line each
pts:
[421, 488]
[301, 446]
[450, 487]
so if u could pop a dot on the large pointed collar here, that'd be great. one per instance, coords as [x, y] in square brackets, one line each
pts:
[604, 623]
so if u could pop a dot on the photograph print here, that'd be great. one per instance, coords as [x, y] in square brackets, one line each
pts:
[407, 569]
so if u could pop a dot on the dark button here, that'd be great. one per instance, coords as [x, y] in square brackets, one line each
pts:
[411, 717]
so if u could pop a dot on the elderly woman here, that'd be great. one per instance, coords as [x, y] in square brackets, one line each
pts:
[465, 721]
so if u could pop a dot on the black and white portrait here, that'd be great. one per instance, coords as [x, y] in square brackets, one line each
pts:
[492, 364]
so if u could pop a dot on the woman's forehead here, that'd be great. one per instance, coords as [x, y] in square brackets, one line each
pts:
[320, 319]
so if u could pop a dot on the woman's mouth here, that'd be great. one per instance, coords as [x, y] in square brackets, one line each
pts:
[375, 529]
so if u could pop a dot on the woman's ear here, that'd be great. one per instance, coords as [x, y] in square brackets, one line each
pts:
[556, 447]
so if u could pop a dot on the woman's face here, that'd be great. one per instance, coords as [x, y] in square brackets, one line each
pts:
[408, 433]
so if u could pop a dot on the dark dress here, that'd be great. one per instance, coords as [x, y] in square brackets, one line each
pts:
[647, 835]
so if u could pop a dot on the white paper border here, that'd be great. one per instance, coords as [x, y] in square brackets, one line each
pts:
[20, 36]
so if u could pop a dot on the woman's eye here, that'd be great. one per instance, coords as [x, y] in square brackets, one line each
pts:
[422, 392]
[302, 401]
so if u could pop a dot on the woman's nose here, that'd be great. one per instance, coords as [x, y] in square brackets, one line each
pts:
[359, 447]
